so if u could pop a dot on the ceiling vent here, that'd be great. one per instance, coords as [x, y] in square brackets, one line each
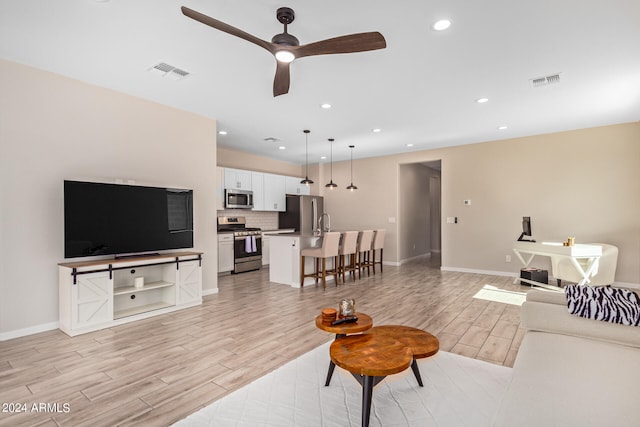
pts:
[166, 70]
[546, 80]
[271, 139]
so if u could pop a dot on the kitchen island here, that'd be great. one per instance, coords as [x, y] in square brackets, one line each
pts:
[285, 259]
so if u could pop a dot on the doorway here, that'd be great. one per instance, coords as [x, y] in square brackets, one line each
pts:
[419, 225]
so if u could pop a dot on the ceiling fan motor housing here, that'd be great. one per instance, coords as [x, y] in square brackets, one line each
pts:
[285, 15]
[285, 39]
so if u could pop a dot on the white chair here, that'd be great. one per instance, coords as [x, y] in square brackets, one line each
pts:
[329, 249]
[348, 249]
[378, 244]
[604, 273]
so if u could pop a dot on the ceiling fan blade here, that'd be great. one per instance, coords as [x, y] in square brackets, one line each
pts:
[219, 25]
[282, 79]
[360, 42]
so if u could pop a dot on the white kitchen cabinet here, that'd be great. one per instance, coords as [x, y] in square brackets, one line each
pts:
[258, 188]
[100, 294]
[237, 179]
[225, 252]
[275, 198]
[293, 186]
[219, 188]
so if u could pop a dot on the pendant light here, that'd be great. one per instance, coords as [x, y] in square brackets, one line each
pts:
[331, 185]
[306, 180]
[351, 187]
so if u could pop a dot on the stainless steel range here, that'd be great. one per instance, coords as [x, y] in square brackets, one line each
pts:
[247, 243]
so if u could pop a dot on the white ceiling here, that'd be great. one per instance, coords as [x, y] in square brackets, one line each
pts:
[420, 90]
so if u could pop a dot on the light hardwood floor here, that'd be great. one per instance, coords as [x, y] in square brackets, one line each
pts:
[157, 371]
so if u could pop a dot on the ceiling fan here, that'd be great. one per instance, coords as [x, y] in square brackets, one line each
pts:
[286, 47]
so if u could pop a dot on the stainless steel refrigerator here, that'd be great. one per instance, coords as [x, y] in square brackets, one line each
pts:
[302, 213]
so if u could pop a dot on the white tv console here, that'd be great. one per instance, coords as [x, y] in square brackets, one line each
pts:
[100, 294]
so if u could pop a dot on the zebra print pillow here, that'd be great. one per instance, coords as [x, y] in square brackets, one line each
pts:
[604, 303]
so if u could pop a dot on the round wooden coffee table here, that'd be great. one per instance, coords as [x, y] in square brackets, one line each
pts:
[381, 351]
[365, 322]
[421, 343]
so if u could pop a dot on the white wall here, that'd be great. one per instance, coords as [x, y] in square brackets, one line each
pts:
[54, 128]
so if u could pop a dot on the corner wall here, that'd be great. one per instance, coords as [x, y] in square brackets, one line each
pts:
[54, 128]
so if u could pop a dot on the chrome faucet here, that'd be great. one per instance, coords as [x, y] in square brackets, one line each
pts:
[327, 224]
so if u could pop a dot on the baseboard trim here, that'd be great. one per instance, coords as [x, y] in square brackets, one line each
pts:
[510, 274]
[206, 292]
[476, 271]
[18, 333]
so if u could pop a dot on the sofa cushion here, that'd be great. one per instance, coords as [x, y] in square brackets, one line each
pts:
[561, 380]
[548, 296]
[538, 316]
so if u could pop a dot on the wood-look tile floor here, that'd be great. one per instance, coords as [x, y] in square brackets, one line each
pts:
[156, 371]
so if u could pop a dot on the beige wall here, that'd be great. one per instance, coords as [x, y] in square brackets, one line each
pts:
[54, 128]
[583, 183]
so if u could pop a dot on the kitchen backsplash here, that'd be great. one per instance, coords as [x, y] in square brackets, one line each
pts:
[263, 220]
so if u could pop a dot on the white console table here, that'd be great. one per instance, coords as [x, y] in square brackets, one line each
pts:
[590, 253]
[100, 294]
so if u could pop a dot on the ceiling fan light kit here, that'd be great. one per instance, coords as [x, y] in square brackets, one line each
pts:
[286, 47]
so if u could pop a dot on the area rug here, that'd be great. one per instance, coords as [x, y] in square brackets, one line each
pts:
[491, 293]
[458, 391]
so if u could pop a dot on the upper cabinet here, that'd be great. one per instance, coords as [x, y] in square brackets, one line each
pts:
[237, 179]
[269, 190]
[258, 185]
[275, 198]
[293, 186]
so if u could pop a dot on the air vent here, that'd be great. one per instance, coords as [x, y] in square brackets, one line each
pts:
[167, 70]
[271, 139]
[546, 80]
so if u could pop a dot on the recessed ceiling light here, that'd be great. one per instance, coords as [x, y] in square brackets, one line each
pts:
[502, 127]
[482, 100]
[326, 106]
[441, 25]
[323, 157]
[409, 145]
[376, 130]
[222, 132]
[282, 147]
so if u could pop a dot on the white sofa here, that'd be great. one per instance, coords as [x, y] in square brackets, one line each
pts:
[572, 371]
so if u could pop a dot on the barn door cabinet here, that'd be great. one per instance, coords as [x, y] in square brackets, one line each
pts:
[100, 294]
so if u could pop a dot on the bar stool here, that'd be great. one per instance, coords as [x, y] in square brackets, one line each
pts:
[329, 249]
[348, 248]
[378, 243]
[364, 251]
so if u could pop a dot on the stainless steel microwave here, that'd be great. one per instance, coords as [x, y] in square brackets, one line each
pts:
[238, 199]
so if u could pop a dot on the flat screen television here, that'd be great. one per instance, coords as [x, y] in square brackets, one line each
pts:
[115, 219]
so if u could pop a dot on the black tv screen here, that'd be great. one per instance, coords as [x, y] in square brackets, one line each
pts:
[115, 219]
